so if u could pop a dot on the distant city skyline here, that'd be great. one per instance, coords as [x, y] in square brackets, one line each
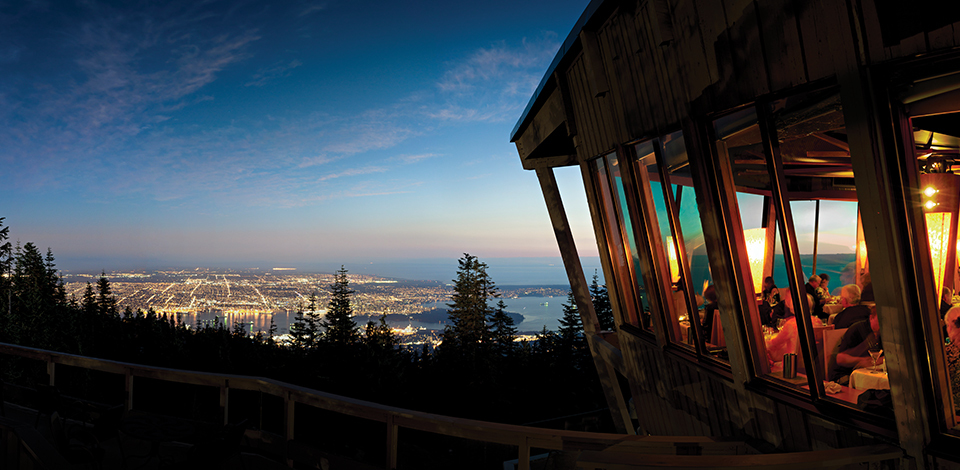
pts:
[289, 134]
[504, 271]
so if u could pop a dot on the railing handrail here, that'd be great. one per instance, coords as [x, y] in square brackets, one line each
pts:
[545, 438]
[524, 437]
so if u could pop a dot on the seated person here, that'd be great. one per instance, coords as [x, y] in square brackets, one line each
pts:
[771, 306]
[709, 309]
[852, 310]
[824, 289]
[855, 345]
[787, 340]
[953, 353]
[811, 287]
[866, 289]
[946, 297]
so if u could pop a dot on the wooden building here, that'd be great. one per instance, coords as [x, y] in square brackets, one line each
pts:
[722, 142]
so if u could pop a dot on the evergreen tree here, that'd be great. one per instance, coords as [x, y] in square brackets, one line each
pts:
[6, 265]
[106, 302]
[469, 309]
[299, 330]
[379, 337]
[35, 299]
[570, 340]
[502, 330]
[272, 332]
[601, 304]
[571, 325]
[341, 329]
[54, 280]
[313, 324]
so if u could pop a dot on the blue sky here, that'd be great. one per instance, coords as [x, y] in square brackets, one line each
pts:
[287, 133]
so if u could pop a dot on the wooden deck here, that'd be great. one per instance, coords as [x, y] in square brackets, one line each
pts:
[601, 450]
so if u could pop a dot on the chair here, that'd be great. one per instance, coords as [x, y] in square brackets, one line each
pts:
[218, 451]
[107, 424]
[48, 401]
[79, 448]
[831, 346]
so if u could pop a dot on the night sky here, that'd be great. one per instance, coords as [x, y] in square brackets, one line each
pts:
[146, 134]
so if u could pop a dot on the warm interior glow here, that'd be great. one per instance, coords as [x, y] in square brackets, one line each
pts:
[756, 241]
[929, 191]
[862, 249]
[938, 234]
[672, 258]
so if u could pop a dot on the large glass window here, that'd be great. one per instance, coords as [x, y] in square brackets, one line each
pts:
[772, 330]
[621, 242]
[936, 147]
[665, 184]
[814, 160]
[798, 210]
[650, 181]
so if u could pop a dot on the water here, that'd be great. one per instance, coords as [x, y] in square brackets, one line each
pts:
[537, 312]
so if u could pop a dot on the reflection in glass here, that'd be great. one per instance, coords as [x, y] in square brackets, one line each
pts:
[648, 169]
[618, 257]
[702, 295]
[772, 328]
[936, 149]
[629, 237]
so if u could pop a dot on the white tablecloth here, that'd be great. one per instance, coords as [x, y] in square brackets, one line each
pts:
[863, 379]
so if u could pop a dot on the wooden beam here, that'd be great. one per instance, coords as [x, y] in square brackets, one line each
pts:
[578, 284]
[564, 89]
[392, 441]
[596, 74]
[549, 162]
[547, 119]
[225, 401]
[834, 458]
[886, 181]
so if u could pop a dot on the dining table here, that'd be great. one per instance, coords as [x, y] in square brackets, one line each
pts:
[869, 378]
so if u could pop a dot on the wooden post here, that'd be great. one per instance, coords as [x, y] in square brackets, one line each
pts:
[578, 284]
[523, 460]
[288, 421]
[392, 430]
[128, 380]
[51, 370]
[225, 401]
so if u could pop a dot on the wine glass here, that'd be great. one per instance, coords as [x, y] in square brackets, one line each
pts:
[875, 353]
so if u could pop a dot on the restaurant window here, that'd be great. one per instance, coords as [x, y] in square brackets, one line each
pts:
[702, 297]
[935, 125]
[771, 321]
[846, 345]
[621, 240]
[650, 183]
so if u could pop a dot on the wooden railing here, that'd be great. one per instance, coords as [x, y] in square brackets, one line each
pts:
[592, 445]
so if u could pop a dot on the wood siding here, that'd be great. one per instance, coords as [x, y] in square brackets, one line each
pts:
[725, 53]
[675, 397]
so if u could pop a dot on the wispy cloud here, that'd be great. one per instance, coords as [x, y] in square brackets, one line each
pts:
[122, 114]
[353, 172]
[492, 83]
[408, 159]
[279, 70]
[371, 130]
[312, 8]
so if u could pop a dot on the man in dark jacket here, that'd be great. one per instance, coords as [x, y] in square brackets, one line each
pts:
[811, 288]
[852, 310]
